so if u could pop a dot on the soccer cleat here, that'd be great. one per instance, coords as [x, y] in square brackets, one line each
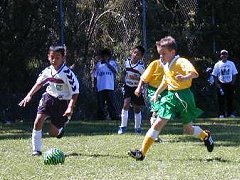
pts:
[136, 154]
[60, 133]
[37, 153]
[158, 140]
[208, 141]
[122, 130]
[138, 130]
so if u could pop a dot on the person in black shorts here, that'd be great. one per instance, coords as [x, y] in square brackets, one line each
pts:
[58, 102]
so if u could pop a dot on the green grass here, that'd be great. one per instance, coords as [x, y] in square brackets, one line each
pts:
[94, 151]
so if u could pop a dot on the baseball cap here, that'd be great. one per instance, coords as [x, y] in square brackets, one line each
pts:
[224, 51]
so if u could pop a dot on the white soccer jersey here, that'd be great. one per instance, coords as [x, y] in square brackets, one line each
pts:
[105, 77]
[62, 84]
[224, 71]
[133, 72]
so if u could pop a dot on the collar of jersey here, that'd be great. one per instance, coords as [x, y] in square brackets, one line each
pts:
[59, 70]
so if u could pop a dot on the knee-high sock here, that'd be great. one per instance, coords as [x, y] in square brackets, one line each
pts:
[36, 140]
[138, 120]
[198, 132]
[124, 118]
[149, 138]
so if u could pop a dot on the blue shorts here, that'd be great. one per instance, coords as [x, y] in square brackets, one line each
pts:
[54, 108]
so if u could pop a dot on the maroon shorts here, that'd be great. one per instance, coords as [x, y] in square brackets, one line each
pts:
[54, 108]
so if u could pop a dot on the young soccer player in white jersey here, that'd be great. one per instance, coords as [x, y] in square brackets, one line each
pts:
[179, 102]
[134, 68]
[58, 102]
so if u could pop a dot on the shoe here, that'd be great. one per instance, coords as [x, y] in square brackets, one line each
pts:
[221, 116]
[122, 130]
[37, 153]
[138, 130]
[136, 154]
[208, 141]
[232, 116]
[158, 140]
[60, 133]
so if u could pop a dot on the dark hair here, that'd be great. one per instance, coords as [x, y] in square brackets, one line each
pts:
[105, 52]
[168, 42]
[141, 49]
[57, 48]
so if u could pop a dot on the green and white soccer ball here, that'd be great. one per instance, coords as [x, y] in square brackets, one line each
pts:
[53, 156]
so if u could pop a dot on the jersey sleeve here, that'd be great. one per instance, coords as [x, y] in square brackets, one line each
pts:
[42, 77]
[72, 82]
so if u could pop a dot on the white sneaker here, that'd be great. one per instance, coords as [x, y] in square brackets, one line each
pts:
[221, 116]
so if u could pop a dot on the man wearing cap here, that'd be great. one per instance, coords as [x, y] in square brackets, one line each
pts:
[224, 73]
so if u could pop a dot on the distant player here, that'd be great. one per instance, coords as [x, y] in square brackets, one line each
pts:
[134, 68]
[58, 102]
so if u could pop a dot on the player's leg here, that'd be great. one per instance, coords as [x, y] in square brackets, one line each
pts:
[149, 138]
[111, 104]
[203, 135]
[101, 114]
[137, 118]
[37, 134]
[124, 115]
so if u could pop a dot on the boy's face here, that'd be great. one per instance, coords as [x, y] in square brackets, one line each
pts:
[55, 58]
[167, 54]
[136, 55]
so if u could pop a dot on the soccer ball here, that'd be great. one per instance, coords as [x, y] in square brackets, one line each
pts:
[53, 156]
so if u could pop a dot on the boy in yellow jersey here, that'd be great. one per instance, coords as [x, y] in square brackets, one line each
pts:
[152, 76]
[178, 75]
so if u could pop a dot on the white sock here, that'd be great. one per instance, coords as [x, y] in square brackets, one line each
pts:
[124, 118]
[152, 120]
[138, 120]
[36, 140]
[197, 131]
[152, 133]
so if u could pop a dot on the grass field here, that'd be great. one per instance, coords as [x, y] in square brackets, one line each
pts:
[94, 151]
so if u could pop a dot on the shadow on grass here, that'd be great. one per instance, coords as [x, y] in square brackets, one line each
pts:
[224, 133]
[96, 155]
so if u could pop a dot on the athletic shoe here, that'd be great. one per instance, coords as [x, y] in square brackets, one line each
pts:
[122, 130]
[60, 133]
[232, 116]
[37, 153]
[221, 116]
[208, 141]
[138, 130]
[158, 140]
[136, 154]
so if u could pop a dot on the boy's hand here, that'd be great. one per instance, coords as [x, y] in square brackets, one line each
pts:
[68, 112]
[25, 101]
[137, 92]
[155, 97]
[180, 77]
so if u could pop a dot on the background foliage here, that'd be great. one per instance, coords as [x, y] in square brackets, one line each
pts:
[28, 27]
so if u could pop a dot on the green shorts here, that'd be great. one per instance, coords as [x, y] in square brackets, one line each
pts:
[179, 104]
[150, 92]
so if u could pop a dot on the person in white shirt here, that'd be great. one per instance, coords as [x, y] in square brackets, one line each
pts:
[224, 73]
[58, 102]
[105, 72]
[134, 68]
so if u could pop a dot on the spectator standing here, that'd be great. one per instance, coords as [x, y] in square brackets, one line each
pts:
[105, 73]
[224, 73]
[134, 68]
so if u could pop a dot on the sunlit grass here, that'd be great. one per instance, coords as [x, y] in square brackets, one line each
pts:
[95, 151]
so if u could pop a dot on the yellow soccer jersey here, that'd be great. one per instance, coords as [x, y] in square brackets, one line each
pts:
[178, 66]
[153, 75]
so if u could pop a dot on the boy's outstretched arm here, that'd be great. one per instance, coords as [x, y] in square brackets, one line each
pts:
[28, 97]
